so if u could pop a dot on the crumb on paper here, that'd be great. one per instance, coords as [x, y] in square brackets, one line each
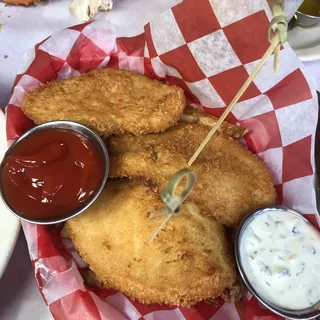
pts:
[84, 10]
[5, 56]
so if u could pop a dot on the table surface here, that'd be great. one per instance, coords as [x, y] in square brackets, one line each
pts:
[20, 29]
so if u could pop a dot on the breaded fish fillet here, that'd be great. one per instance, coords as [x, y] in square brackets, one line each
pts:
[108, 101]
[231, 181]
[194, 115]
[189, 261]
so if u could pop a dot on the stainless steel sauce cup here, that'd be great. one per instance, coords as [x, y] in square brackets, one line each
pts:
[78, 128]
[304, 20]
[308, 313]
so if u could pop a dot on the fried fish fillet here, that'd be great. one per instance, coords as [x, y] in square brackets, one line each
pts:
[195, 115]
[189, 261]
[231, 181]
[108, 101]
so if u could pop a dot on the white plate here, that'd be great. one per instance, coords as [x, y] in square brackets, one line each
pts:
[9, 224]
[305, 42]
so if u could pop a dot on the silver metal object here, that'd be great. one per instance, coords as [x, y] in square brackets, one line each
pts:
[75, 127]
[308, 313]
[303, 20]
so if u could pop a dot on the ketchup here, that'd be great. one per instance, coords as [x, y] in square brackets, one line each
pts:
[51, 174]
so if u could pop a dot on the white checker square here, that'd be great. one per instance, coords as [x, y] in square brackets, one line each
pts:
[252, 107]
[67, 72]
[214, 53]
[267, 78]
[25, 84]
[273, 159]
[100, 30]
[78, 260]
[104, 63]
[67, 244]
[120, 302]
[299, 194]
[25, 61]
[106, 311]
[165, 33]
[206, 93]
[228, 12]
[123, 61]
[159, 67]
[170, 71]
[165, 315]
[61, 43]
[146, 51]
[228, 312]
[9, 143]
[31, 233]
[136, 64]
[57, 284]
[297, 121]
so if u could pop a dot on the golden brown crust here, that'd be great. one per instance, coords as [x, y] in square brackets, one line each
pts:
[189, 261]
[231, 182]
[195, 115]
[234, 293]
[108, 101]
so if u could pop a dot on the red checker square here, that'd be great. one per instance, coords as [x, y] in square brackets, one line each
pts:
[248, 37]
[146, 309]
[85, 55]
[290, 90]
[240, 306]
[133, 46]
[202, 310]
[152, 50]
[16, 80]
[45, 67]
[17, 123]
[228, 83]
[263, 133]
[46, 243]
[114, 61]
[80, 304]
[186, 66]
[102, 292]
[279, 190]
[217, 112]
[296, 160]
[191, 313]
[191, 98]
[195, 19]
[313, 219]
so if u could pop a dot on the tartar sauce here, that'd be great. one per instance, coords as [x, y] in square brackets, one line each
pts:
[280, 255]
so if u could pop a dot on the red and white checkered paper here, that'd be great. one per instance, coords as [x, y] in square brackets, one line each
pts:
[208, 48]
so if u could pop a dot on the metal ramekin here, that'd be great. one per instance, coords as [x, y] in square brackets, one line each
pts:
[304, 20]
[308, 313]
[67, 125]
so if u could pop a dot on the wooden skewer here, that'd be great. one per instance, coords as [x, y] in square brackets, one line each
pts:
[276, 58]
[274, 44]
